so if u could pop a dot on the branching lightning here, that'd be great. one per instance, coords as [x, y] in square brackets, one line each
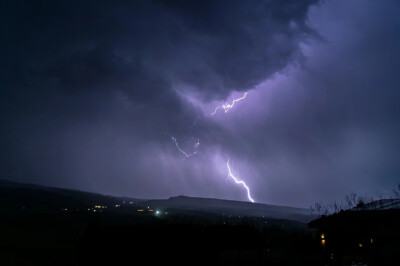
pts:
[187, 155]
[227, 107]
[241, 182]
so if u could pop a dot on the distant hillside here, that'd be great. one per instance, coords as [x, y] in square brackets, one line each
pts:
[382, 204]
[234, 208]
[16, 196]
[29, 197]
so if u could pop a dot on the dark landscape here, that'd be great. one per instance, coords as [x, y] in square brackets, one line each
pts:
[199, 132]
[52, 226]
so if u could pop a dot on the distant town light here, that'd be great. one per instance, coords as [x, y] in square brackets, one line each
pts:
[360, 245]
[322, 235]
[323, 242]
[372, 241]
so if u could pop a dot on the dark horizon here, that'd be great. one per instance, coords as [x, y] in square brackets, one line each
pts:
[127, 98]
[30, 185]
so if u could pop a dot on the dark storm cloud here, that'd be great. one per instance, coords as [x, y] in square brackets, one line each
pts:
[214, 46]
[72, 68]
[90, 91]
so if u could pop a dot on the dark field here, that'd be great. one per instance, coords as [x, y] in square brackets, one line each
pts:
[113, 239]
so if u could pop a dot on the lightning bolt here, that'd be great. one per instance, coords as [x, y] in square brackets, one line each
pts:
[187, 155]
[241, 182]
[227, 107]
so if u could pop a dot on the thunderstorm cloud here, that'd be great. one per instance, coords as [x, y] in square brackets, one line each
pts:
[92, 91]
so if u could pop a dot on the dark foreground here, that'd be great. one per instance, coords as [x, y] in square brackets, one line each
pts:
[123, 239]
[49, 226]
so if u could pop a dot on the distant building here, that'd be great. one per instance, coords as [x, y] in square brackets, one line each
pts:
[382, 204]
[370, 237]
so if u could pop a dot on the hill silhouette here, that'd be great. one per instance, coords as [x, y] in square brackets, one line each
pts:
[31, 197]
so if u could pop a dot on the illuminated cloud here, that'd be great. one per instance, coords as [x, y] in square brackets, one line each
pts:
[88, 90]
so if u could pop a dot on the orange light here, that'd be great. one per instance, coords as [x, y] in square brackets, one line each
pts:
[323, 242]
[372, 241]
[360, 245]
[322, 235]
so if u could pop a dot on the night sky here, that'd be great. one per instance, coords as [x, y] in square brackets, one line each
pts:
[92, 93]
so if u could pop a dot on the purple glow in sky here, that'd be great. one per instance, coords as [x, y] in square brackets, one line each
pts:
[87, 110]
[226, 108]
